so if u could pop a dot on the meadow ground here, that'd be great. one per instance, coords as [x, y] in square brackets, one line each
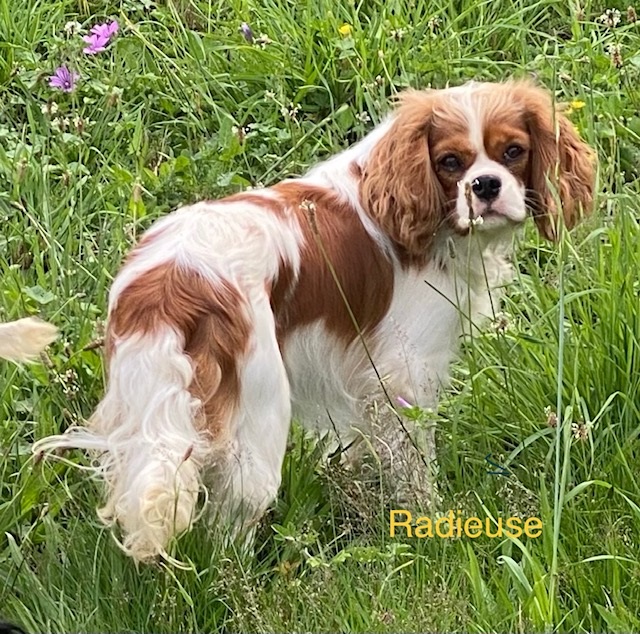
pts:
[181, 106]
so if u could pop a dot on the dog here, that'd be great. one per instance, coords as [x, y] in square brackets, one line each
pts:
[323, 298]
[24, 339]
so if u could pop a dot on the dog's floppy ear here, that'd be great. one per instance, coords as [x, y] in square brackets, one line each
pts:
[561, 168]
[399, 188]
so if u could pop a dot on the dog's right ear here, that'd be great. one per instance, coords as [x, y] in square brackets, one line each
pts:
[399, 188]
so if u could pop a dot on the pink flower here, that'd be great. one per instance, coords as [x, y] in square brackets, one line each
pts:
[64, 79]
[247, 33]
[96, 43]
[403, 402]
[99, 37]
[106, 30]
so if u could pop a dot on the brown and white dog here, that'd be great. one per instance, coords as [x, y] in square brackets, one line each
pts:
[24, 339]
[304, 299]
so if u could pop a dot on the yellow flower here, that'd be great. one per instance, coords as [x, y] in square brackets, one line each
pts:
[345, 29]
[576, 104]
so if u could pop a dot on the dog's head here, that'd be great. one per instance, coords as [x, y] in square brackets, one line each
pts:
[483, 154]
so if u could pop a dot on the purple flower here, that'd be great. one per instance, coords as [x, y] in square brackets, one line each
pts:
[403, 402]
[247, 33]
[64, 79]
[99, 37]
[105, 30]
[96, 43]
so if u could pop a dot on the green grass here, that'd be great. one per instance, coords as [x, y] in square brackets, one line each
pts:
[153, 124]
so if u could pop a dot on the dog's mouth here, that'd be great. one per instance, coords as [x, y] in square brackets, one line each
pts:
[493, 216]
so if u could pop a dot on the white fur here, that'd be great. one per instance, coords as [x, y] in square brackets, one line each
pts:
[150, 453]
[251, 472]
[510, 204]
[24, 339]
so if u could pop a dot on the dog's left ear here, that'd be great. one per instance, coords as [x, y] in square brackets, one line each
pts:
[562, 166]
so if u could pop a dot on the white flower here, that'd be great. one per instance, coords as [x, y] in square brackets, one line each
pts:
[291, 112]
[610, 18]
[49, 109]
[263, 40]
[73, 27]
[397, 34]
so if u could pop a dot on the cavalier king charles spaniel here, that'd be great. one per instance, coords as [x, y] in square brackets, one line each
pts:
[327, 299]
[24, 339]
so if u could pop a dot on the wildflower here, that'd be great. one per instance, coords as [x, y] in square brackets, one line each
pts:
[403, 402]
[386, 617]
[269, 94]
[100, 36]
[263, 40]
[398, 34]
[247, 33]
[69, 383]
[363, 117]
[64, 79]
[434, 25]
[113, 97]
[309, 208]
[106, 30]
[62, 123]
[377, 82]
[50, 108]
[345, 29]
[576, 104]
[72, 27]
[552, 417]
[610, 18]
[241, 132]
[291, 112]
[632, 16]
[580, 431]
[615, 55]
[79, 124]
[501, 323]
[96, 44]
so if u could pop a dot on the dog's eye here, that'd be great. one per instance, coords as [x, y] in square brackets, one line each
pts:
[451, 163]
[513, 152]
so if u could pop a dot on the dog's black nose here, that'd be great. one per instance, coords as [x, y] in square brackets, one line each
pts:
[486, 187]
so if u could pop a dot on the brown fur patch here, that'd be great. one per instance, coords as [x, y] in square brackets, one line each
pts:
[210, 317]
[333, 237]
[556, 154]
[499, 136]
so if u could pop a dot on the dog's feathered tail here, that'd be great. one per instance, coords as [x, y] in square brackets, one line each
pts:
[24, 339]
[163, 414]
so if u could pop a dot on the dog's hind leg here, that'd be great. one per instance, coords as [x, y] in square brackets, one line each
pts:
[251, 471]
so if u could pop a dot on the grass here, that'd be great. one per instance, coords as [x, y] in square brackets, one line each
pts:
[154, 123]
